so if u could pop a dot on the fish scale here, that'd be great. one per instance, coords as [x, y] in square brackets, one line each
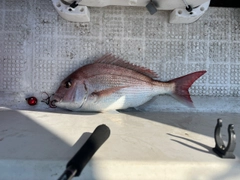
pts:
[111, 83]
[122, 99]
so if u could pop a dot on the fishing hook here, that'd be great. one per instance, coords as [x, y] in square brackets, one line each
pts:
[48, 101]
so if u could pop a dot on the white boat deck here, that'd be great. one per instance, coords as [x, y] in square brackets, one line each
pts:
[168, 141]
[38, 145]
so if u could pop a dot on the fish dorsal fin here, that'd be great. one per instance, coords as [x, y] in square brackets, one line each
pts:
[110, 59]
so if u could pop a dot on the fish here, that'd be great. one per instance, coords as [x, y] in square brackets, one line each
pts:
[111, 83]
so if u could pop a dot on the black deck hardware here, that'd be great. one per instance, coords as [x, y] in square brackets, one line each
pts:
[74, 4]
[220, 149]
[151, 7]
[225, 3]
[188, 7]
[80, 159]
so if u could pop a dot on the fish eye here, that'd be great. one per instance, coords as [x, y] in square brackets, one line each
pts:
[68, 84]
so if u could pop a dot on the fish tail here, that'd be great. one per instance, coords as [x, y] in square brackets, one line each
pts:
[182, 84]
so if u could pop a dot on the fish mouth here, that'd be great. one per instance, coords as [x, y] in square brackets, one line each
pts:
[52, 103]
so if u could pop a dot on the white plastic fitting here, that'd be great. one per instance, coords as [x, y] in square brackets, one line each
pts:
[181, 15]
[80, 13]
[77, 14]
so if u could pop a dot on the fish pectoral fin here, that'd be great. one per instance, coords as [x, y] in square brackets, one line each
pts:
[105, 92]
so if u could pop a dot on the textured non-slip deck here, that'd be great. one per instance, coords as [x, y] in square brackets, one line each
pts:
[38, 48]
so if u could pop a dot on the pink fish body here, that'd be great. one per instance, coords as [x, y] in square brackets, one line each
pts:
[111, 83]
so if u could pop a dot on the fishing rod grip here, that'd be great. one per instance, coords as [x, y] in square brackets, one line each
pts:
[85, 153]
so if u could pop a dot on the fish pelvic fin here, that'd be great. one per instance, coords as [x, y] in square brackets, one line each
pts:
[182, 85]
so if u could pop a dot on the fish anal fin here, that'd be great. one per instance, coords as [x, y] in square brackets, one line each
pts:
[110, 59]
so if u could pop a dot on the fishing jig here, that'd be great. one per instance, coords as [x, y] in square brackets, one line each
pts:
[32, 101]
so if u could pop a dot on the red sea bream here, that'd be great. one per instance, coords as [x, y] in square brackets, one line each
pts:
[111, 83]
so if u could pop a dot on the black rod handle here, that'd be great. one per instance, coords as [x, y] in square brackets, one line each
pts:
[85, 153]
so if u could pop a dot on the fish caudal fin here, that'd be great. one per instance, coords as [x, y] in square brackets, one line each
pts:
[182, 84]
